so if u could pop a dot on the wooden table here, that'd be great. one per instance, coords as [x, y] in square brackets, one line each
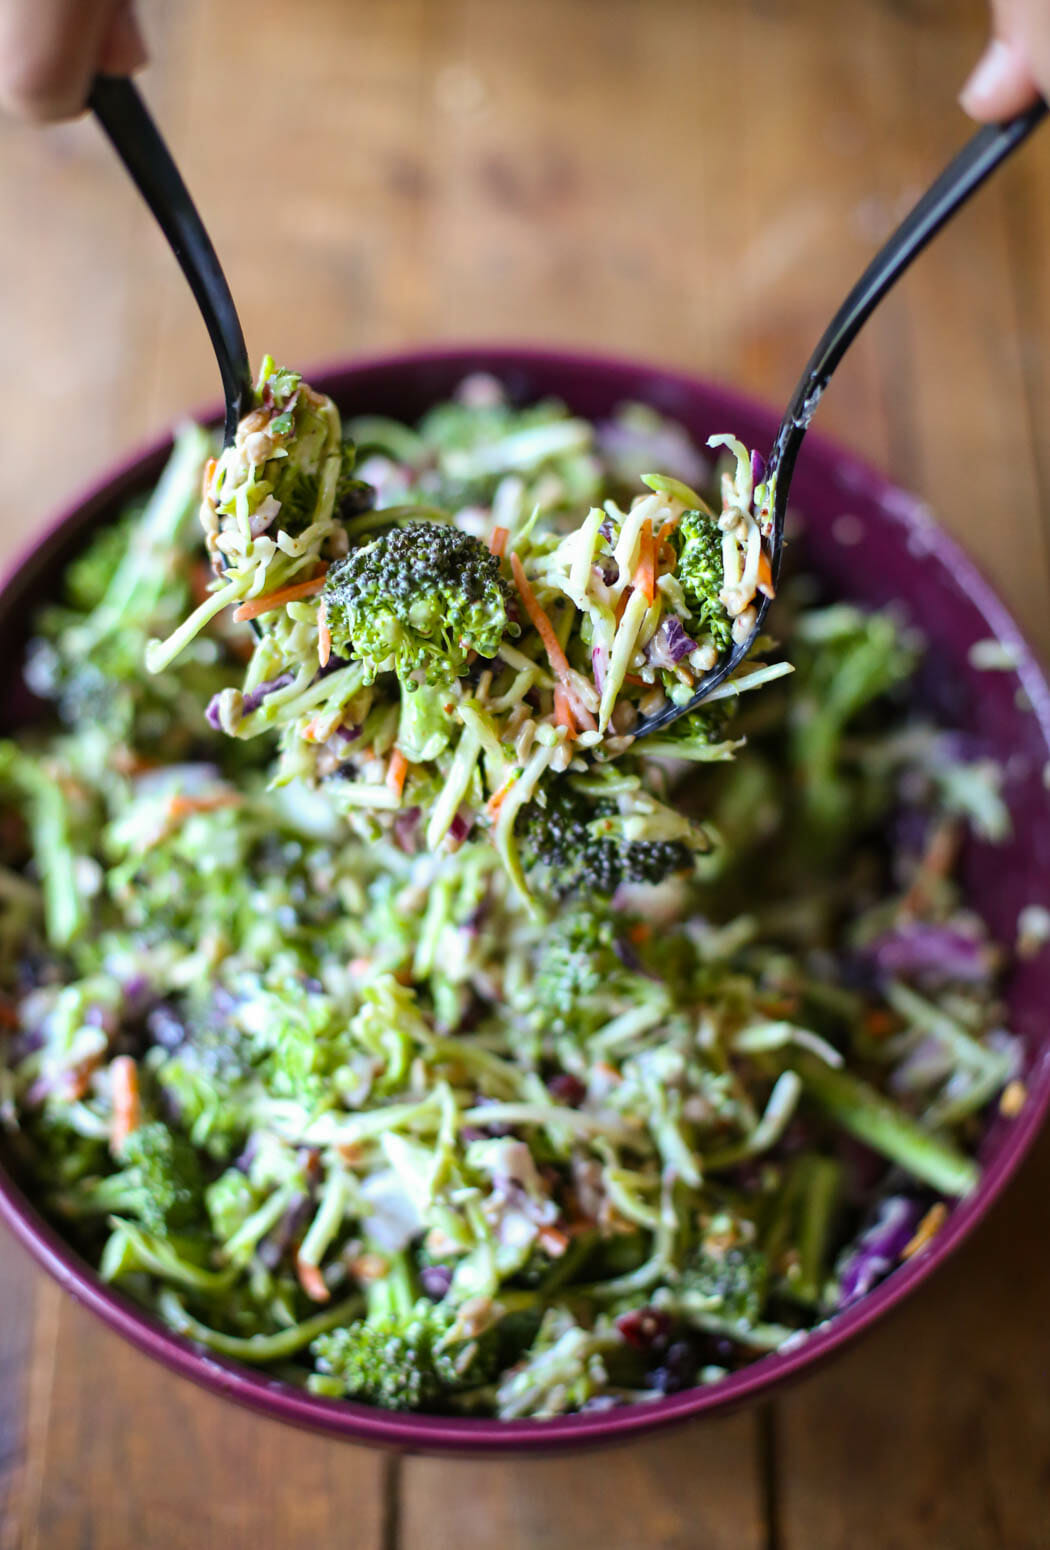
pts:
[694, 182]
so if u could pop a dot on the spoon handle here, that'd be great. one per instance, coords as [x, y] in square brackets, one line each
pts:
[963, 175]
[126, 120]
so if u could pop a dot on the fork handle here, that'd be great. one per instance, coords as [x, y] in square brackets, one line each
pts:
[120, 110]
[963, 175]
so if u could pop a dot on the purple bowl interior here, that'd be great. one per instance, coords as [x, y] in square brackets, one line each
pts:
[889, 551]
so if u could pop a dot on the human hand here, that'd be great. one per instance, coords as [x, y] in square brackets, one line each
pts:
[1015, 67]
[51, 49]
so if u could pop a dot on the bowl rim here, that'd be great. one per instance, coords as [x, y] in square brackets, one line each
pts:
[442, 1434]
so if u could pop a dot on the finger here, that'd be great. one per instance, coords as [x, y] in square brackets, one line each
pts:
[123, 47]
[1002, 82]
[48, 54]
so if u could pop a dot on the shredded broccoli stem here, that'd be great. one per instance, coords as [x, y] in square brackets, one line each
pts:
[383, 1013]
[257, 1348]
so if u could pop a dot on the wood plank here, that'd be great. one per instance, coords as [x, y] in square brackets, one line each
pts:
[16, 1292]
[694, 1489]
[121, 1453]
[936, 1430]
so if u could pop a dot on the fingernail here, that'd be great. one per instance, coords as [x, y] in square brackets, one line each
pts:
[993, 73]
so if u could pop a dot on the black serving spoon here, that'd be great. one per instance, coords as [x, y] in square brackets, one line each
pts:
[962, 177]
[136, 139]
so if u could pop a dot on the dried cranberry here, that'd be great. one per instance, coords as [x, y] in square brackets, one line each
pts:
[646, 1328]
[567, 1089]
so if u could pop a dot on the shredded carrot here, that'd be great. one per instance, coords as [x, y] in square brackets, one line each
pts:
[182, 806]
[639, 933]
[936, 864]
[496, 800]
[553, 1241]
[272, 600]
[314, 729]
[563, 716]
[645, 576]
[544, 628]
[127, 762]
[621, 606]
[765, 575]
[127, 1107]
[396, 772]
[927, 1229]
[878, 1022]
[324, 635]
[633, 678]
[498, 541]
[312, 1281]
[1013, 1098]
[209, 469]
[666, 531]
[78, 1079]
[551, 644]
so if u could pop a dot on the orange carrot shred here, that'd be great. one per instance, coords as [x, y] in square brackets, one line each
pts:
[765, 575]
[396, 771]
[544, 628]
[633, 678]
[621, 606]
[665, 532]
[927, 1230]
[183, 807]
[127, 1107]
[563, 715]
[496, 800]
[555, 655]
[498, 541]
[312, 1281]
[645, 575]
[272, 600]
[324, 635]
[209, 469]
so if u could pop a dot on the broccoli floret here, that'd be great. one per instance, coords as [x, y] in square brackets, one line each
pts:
[577, 959]
[160, 1183]
[729, 1283]
[563, 839]
[406, 1354]
[230, 1200]
[702, 575]
[417, 601]
[846, 661]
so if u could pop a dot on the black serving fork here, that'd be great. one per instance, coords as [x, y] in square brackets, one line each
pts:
[120, 110]
[963, 175]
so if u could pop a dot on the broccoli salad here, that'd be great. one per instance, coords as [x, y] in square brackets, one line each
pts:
[377, 1011]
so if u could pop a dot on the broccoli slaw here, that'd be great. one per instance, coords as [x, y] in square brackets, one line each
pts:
[448, 1057]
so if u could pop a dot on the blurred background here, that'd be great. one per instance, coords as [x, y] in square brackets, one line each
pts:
[693, 181]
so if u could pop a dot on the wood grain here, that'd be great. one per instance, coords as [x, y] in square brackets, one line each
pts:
[935, 1432]
[121, 1453]
[694, 182]
[695, 1489]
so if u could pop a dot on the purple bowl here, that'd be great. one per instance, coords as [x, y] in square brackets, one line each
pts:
[888, 550]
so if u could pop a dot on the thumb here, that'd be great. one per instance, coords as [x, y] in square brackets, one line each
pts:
[1002, 82]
